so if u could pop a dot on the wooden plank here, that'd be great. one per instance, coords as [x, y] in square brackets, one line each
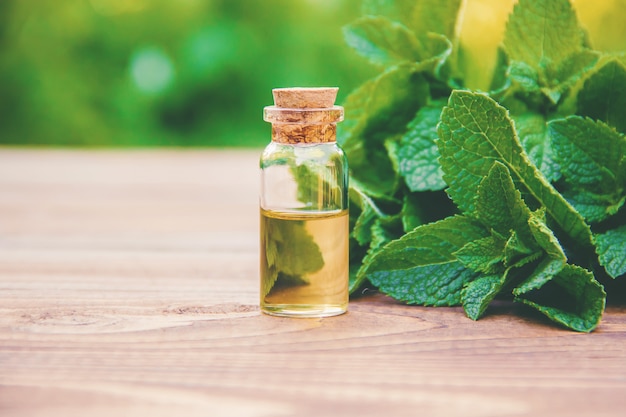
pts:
[129, 286]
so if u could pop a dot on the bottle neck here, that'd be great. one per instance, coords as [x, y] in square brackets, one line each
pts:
[291, 133]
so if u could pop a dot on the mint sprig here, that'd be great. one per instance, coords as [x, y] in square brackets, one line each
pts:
[535, 169]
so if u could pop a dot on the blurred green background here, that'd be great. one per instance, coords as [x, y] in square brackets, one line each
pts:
[196, 72]
[162, 72]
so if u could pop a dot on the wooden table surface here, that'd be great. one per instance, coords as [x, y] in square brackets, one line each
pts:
[129, 287]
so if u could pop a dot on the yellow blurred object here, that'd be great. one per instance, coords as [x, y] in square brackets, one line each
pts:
[482, 27]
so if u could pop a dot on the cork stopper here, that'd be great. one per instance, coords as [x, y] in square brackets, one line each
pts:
[304, 115]
[305, 98]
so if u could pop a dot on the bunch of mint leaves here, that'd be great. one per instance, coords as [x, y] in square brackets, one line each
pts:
[461, 197]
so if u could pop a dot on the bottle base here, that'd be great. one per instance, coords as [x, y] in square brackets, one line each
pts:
[304, 310]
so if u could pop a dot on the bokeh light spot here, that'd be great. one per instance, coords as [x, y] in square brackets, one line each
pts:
[152, 71]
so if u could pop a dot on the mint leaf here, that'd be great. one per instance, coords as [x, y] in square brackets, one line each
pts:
[546, 47]
[435, 16]
[477, 295]
[545, 270]
[567, 73]
[423, 207]
[592, 206]
[364, 214]
[590, 152]
[533, 134]
[368, 213]
[420, 16]
[500, 80]
[603, 96]
[473, 133]
[572, 298]
[418, 154]
[384, 230]
[593, 160]
[542, 33]
[397, 32]
[544, 237]
[370, 230]
[379, 110]
[427, 244]
[433, 284]
[420, 267]
[412, 213]
[382, 41]
[482, 255]
[525, 76]
[398, 10]
[519, 252]
[611, 248]
[499, 205]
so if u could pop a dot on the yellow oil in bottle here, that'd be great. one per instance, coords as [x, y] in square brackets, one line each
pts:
[304, 263]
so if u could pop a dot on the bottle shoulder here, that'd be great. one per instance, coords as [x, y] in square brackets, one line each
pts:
[315, 152]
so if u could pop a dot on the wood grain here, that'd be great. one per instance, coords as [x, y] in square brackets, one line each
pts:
[129, 286]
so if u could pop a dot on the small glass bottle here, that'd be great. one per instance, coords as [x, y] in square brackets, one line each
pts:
[304, 207]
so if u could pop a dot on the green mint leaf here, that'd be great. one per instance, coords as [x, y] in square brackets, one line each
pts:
[370, 230]
[377, 111]
[420, 16]
[533, 134]
[553, 261]
[435, 16]
[542, 33]
[546, 47]
[603, 96]
[423, 207]
[482, 255]
[525, 76]
[368, 212]
[499, 205]
[418, 154]
[519, 252]
[382, 41]
[593, 160]
[611, 248]
[435, 51]
[362, 229]
[398, 10]
[434, 284]
[363, 215]
[544, 237]
[592, 206]
[500, 80]
[420, 267]
[412, 213]
[545, 270]
[545, 251]
[384, 230]
[567, 73]
[477, 294]
[590, 152]
[430, 243]
[397, 31]
[473, 133]
[572, 298]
